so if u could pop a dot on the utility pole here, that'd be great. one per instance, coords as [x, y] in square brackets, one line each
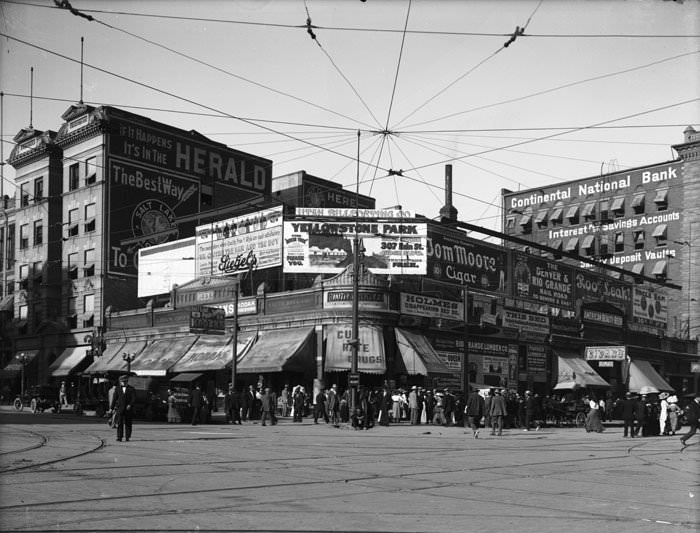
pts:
[355, 293]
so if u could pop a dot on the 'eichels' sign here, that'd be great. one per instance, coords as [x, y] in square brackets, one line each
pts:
[171, 149]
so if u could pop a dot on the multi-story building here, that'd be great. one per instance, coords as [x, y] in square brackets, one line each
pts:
[645, 220]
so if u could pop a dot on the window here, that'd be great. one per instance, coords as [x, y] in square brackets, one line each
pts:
[526, 223]
[660, 234]
[555, 217]
[604, 212]
[618, 207]
[660, 269]
[89, 303]
[38, 189]
[10, 261]
[73, 176]
[89, 268]
[639, 239]
[572, 214]
[37, 272]
[619, 242]
[24, 277]
[661, 200]
[588, 211]
[638, 203]
[23, 312]
[24, 236]
[588, 245]
[90, 170]
[541, 218]
[24, 195]
[571, 245]
[73, 222]
[72, 313]
[38, 232]
[510, 222]
[89, 218]
[73, 266]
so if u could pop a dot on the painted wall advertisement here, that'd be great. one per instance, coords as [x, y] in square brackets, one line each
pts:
[526, 322]
[451, 353]
[650, 308]
[464, 261]
[326, 247]
[334, 299]
[590, 287]
[537, 362]
[543, 281]
[370, 352]
[168, 149]
[420, 305]
[240, 244]
[144, 207]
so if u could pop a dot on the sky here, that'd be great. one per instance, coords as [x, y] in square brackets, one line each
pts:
[588, 88]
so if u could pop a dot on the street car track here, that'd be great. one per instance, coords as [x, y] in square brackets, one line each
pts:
[116, 507]
[43, 439]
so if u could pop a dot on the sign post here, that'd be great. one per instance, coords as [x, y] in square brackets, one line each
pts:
[234, 341]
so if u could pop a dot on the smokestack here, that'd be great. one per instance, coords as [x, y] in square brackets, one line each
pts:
[448, 212]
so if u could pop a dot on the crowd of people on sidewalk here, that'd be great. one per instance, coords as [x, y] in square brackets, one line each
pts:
[496, 409]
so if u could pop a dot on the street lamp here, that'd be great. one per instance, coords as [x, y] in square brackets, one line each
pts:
[128, 357]
[22, 358]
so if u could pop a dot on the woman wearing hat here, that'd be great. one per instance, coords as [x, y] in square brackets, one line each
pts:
[674, 413]
[663, 413]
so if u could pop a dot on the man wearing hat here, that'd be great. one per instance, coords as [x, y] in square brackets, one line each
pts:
[629, 405]
[123, 407]
[692, 414]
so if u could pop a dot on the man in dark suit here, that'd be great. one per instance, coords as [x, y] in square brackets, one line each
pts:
[123, 407]
[474, 411]
[232, 406]
[629, 405]
[196, 404]
[692, 414]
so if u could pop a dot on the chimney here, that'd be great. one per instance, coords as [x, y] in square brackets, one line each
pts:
[448, 212]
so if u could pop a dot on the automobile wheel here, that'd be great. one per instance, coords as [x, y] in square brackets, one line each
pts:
[18, 404]
[34, 404]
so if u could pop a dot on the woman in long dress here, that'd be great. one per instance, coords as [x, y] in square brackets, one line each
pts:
[593, 420]
[173, 415]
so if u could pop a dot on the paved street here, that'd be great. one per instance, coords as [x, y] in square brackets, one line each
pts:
[64, 473]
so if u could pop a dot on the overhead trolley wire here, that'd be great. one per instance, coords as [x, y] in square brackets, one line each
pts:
[519, 31]
[529, 141]
[171, 94]
[226, 72]
[373, 30]
[314, 37]
[547, 91]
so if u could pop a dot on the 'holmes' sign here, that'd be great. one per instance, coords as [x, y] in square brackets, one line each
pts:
[420, 305]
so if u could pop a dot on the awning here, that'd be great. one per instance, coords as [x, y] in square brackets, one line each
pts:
[212, 353]
[659, 231]
[112, 360]
[638, 199]
[642, 374]
[659, 268]
[418, 355]
[588, 241]
[556, 244]
[638, 268]
[160, 355]
[618, 204]
[525, 220]
[572, 212]
[661, 196]
[571, 244]
[556, 214]
[68, 361]
[541, 216]
[278, 351]
[100, 363]
[15, 365]
[187, 377]
[370, 354]
[7, 302]
[575, 373]
[588, 209]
